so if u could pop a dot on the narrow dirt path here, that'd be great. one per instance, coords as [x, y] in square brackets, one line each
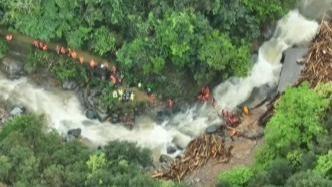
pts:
[23, 43]
[20, 40]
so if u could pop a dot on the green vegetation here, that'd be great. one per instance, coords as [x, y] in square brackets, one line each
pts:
[164, 44]
[236, 178]
[30, 156]
[296, 150]
[63, 69]
[3, 48]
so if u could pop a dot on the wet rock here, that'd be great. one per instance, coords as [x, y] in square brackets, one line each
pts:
[17, 111]
[162, 116]
[170, 150]
[70, 138]
[90, 114]
[212, 129]
[181, 141]
[115, 118]
[102, 112]
[102, 116]
[290, 72]
[13, 68]
[88, 97]
[260, 95]
[268, 31]
[69, 85]
[254, 58]
[74, 132]
[165, 159]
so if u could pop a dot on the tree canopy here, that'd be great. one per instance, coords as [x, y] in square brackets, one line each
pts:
[31, 156]
[154, 41]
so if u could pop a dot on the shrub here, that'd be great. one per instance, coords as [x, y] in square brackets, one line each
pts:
[237, 177]
[308, 179]
[3, 48]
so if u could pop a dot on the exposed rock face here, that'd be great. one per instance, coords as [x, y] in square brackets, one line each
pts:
[212, 129]
[90, 114]
[165, 159]
[17, 111]
[13, 68]
[291, 70]
[74, 132]
[170, 149]
[69, 85]
[260, 95]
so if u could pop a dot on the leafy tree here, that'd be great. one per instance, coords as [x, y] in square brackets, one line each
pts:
[298, 120]
[31, 156]
[325, 90]
[308, 179]
[324, 165]
[77, 38]
[128, 151]
[236, 177]
[103, 41]
[220, 54]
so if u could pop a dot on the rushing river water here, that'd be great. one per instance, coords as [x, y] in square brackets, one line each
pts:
[63, 111]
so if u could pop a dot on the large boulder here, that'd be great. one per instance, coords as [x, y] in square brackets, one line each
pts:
[260, 95]
[13, 68]
[90, 114]
[166, 159]
[17, 111]
[162, 116]
[74, 132]
[212, 129]
[170, 149]
[291, 69]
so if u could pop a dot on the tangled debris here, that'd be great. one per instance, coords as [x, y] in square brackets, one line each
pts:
[198, 152]
[318, 64]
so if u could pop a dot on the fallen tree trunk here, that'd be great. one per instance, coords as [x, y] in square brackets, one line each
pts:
[198, 152]
[318, 64]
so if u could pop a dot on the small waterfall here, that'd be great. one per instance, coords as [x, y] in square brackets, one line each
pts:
[292, 29]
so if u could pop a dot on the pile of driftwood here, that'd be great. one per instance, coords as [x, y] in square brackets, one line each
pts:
[318, 64]
[198, 152]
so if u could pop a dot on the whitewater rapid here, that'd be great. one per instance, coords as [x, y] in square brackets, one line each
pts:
[63, 110]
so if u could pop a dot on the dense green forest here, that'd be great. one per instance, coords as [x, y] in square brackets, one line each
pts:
[298, 147]
[165, 44]
[31, 156]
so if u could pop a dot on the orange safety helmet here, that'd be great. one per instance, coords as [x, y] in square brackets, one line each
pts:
[63, 50]
[73, 55]
[246, 110]
[40, 45]
[9, 37]
[45, 47]
[93, 63]
[113, 79]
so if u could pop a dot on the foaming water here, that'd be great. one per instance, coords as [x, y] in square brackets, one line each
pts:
[291, 30]
[63, 111]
